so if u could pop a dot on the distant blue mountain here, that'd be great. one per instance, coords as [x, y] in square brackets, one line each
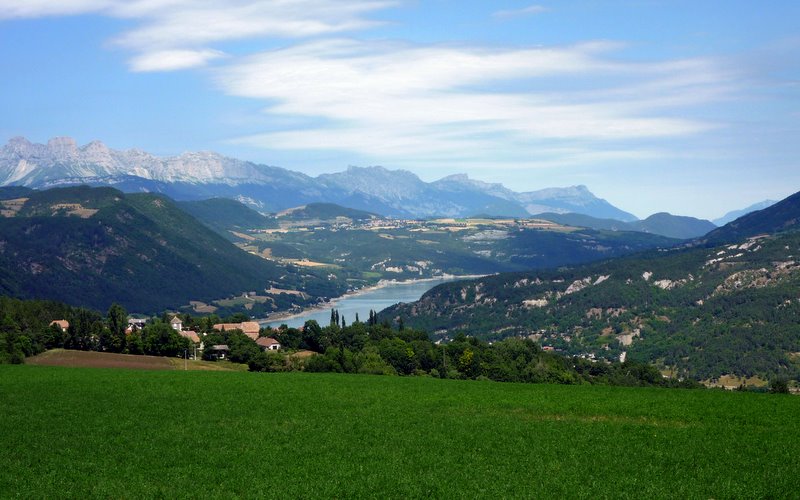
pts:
[202, 175]
[735, 214]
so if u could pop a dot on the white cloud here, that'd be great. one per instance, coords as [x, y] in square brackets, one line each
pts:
[402, 102]
[414, 104]
[11, 9]
[183, 30]
[525, 11]
[169, 60]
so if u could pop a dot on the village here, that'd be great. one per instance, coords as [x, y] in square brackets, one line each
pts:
[250, 329]
[418, 225]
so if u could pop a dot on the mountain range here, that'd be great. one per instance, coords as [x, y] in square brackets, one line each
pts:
[202, 175]
[735, 214]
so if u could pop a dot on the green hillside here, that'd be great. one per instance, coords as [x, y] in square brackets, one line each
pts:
[10, 192]
[698, 312]
[663, 224]
[224, 215]
[673, 226]
[781, 216]
[325, 211]
[583, 220]
[95, 246]
[429, 248]
[181, 434]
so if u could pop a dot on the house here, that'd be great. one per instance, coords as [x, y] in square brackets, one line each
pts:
[61, 323]
[189, 334]
[137, 322]
[219, 351]
[249, 328]
[176, 323]
[268, 344]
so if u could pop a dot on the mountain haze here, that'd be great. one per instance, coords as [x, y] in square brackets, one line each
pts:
[735, 214]
[782, 216]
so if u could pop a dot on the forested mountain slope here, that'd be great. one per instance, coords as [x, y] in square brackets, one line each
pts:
[664, 224]
[781, 216]
[700, 312]
[95, 246]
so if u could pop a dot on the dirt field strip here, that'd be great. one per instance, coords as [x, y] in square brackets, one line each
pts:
[91, 359]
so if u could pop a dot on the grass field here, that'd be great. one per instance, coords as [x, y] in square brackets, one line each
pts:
[69, 432]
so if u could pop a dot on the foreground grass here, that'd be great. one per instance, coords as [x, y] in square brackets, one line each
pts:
[128, 434]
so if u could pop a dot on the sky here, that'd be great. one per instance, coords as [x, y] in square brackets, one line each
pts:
[680, 106]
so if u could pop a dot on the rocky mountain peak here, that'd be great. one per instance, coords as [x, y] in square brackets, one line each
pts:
[374, 189]
[62, 147]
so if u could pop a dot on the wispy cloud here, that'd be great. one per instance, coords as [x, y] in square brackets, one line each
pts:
[408, 103]
[178, 34]
[169, 60]
[436, 103]
[525, 11]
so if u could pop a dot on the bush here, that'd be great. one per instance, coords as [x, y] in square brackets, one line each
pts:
[779, 386]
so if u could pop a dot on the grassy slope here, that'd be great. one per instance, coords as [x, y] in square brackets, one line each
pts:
[83, 432]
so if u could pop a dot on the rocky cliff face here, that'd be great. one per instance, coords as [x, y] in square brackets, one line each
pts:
[199, 175]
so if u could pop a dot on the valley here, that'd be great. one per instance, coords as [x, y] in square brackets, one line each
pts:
[399, 249]
[691, 307]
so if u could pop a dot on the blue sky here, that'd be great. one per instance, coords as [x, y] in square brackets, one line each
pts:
[686, 107]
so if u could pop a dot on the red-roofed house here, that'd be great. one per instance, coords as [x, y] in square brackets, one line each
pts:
[61, 323]
[249, 328]
[268, 344]
[191, 336]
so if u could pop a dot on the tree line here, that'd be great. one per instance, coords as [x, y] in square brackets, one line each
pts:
[26, 330]
[379, 348]
[358, 347]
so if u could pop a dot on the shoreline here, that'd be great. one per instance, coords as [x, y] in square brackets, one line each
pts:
[279, 316]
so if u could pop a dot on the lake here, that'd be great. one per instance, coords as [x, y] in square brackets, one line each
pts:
[376, 299]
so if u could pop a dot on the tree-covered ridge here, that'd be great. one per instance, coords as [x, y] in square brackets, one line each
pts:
[664, 224]
[782, 216]
[224, 215]
[94, 246]
[325, 212]
[699, 312]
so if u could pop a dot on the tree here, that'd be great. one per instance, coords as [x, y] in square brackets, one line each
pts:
[133, 342]
[312, 336]
[779, 386]
[117, 321]
[10, 349]
[160, 339]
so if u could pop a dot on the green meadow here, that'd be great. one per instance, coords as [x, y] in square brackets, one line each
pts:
[73, 432]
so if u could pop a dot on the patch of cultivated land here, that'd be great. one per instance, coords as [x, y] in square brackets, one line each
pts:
[116, 433]
[91, 359]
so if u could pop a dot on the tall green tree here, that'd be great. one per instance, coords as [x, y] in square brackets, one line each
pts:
[117, 321]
